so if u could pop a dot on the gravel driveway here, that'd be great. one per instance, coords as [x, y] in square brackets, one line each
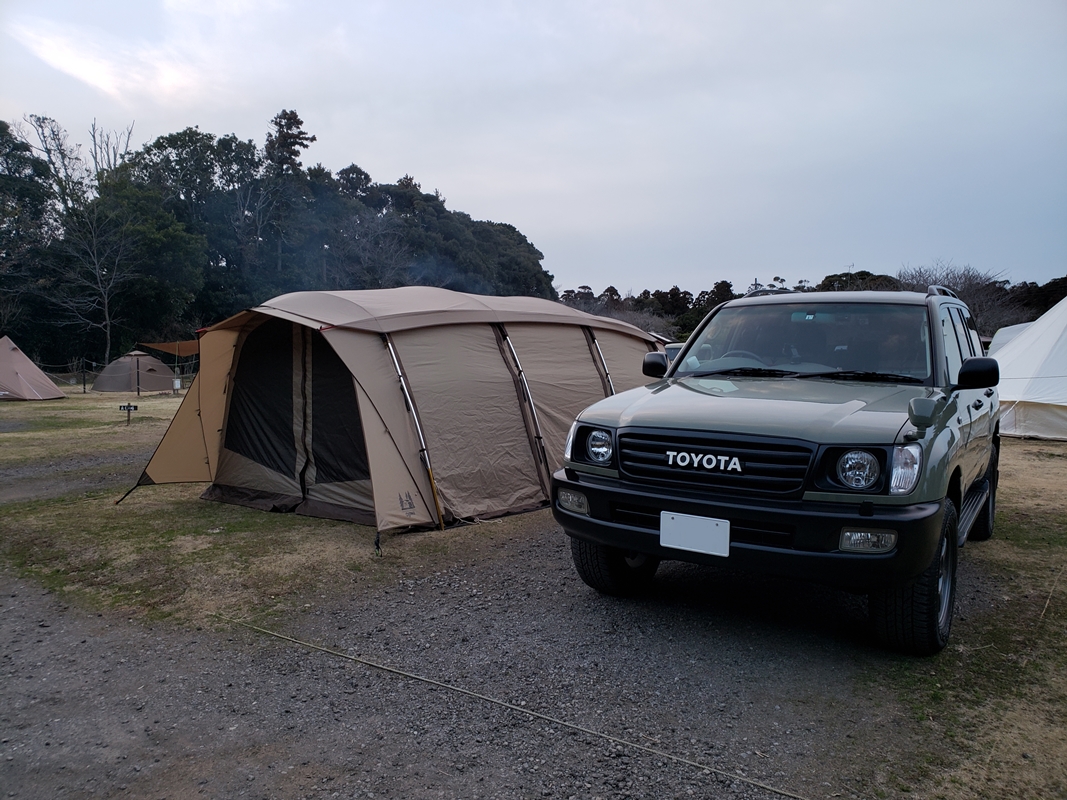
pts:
[764, 680]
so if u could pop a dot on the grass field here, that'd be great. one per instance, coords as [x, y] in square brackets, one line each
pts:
[996, 697]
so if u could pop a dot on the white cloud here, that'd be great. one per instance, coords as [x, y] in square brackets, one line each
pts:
[699, 136]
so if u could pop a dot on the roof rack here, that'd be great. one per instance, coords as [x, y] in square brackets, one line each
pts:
[762, 292]
[941, 290]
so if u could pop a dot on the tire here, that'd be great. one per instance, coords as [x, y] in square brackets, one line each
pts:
[613, 571]
[917, 618]
[983, 525]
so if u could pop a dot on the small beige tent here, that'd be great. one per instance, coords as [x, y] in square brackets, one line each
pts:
[135, 372]
[20, 378]
[400, 407]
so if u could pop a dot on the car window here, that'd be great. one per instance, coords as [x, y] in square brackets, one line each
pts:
[814, 338]
[976, 340]
[964, 335]
[954, 349]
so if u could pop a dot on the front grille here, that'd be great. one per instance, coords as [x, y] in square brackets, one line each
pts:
[742, 531]
[767, 467]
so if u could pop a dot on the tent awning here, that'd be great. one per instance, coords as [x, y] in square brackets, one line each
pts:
[189, 348]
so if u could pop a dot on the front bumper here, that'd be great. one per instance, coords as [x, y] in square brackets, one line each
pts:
[796, 539]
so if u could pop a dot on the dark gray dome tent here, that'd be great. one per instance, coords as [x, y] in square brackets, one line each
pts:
[414, 406]
[136, 371]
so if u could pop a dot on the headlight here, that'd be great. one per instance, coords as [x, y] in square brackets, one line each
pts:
[858, 469]
[599, 446]
[907, 464]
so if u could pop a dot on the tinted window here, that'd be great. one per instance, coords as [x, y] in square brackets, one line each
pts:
[954, 353]
[976, 340]
[815, 337]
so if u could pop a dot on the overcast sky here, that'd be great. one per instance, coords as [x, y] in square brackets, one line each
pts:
[640, 143]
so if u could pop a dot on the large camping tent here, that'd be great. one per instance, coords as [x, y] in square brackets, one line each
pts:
[135, 372]
[20, 378]
[400, 407]
[1005, 335]
[1033, 378]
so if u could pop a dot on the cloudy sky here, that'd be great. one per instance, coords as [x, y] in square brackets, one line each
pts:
[638, 143]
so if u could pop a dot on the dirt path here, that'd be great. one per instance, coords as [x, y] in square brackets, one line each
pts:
[754, 678]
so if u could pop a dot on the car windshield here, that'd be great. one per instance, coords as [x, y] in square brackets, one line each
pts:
[852, 341]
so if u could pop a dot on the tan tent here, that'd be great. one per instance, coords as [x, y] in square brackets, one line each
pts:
[20, 378]
[135, 372]
[401, 407]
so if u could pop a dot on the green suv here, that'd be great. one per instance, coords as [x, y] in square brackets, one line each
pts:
[849, 438]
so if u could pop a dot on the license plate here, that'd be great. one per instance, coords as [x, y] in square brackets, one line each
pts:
[695, 534]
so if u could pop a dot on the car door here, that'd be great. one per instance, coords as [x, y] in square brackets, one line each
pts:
[984, 404]
[956, 349]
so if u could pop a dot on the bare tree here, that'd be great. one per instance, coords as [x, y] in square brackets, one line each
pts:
[369, 253]
[985, 293]
[72, 180]
[109, 149]
[91, 265]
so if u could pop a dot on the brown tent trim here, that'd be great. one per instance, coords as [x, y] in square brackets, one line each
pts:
[179, 349]
[318, 508]
[252, 498]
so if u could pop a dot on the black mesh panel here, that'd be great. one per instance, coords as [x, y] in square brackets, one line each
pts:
[337, 449]
[260, 424]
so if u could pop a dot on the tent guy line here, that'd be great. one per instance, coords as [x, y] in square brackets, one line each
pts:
[511, 707]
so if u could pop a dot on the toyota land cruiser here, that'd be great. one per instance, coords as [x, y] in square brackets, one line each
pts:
[849, 438]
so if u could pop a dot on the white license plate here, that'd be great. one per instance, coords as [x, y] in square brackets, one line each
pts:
[695, 534]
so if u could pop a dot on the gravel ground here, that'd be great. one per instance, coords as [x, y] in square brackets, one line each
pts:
[751, 678]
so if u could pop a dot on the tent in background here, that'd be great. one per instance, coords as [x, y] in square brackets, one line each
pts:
[1033, 378]
[177, 349]
[404, 407]
[135, 372]
[20, 378]
[1005, 335]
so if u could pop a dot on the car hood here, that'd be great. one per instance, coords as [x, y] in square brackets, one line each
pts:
[824, 411]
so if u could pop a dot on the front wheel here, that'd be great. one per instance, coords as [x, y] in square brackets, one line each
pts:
[613, 571]
[917, 618]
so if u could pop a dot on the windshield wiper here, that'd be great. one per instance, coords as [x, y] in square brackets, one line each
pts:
[764, 372]
[863, 375]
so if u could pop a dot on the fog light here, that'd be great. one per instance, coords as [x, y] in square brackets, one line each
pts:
[573, 501]
[868, 541]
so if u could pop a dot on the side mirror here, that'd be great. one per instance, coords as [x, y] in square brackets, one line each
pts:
[654, 365]
[978, 373]
[922, 411]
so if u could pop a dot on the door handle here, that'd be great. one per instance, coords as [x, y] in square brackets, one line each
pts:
[977, 404]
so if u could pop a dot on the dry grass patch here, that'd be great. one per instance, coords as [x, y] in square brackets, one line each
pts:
[165, 554]
[999, 692]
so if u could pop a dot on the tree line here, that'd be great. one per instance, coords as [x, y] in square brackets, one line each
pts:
[675, 313]
[108, 246]
[105, 246]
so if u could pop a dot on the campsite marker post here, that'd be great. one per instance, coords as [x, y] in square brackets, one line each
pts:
[127, 407]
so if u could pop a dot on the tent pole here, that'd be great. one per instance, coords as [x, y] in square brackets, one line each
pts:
[423, 451]
[530, 400]
[603, 363]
